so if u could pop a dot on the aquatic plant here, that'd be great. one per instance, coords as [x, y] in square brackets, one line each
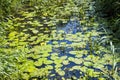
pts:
[61, 73]
[32, 47]
[65, 62]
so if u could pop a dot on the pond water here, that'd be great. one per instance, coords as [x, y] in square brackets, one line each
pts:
[61, 51]
[73, 51]
[56, 40]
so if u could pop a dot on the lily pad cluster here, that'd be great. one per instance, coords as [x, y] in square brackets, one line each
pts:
[79, 54]
[30, 38]
[41, 51]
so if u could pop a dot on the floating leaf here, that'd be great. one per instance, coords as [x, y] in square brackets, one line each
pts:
[88, 63]
[101, 79]
[73, 52]
[51, 24]
[25, 30]
[63, 43]
[83, 69]
[71, 59]
[22, 26]
[78, 61]
[65, 62]
[48, 62]
[74, 77]
[38, 63]
[63, 57]
[55, 42]
[41, 28]
[45, 55]
[78, 55]
[32, 38]
[76, 67]
[12, 34]
[34, 56]
[58, 65]
[52, 75]
[35, 31]
[54, 57]
[58, 61]
[60, 72]
[31, 68]
[25, 76]
[49, 67]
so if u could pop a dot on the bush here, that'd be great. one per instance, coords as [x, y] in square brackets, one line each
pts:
[110, 11]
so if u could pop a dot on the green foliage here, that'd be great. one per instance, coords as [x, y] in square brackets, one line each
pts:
[110, 11]
[10, 61]
[8, 7]
[26, 54]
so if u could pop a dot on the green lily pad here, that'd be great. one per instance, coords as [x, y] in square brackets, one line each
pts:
[56, 46]
[90, 72]
[12, 34]
[71, 59]
[51, 24]
[45, 55]
[22, 26]
[63, 43]
[38, 63]
[78, 61]
[88, 63]
[58, 65]
[85, 28]
[77, 40]
[57, 61]
[101, 78]
[60, 38]
[40, 34]
[27, 14]
[63, 57]
[49, 67]
[32, 38]
[83, 69]
[53, 28]
[65, 62]
[90, 57]
[55, 42]
[61, 73]
[25, 76]
[35, 31]
[73, 52]
[52, 75]
[21, 34]
[78, 34]
[38, 41]
[42, 59]
[83, 52]
[41, 28]
[78, 55]
[31, 68]
[48, 62]
[60, 31]
[35, 23]
[12, 44]
[55, 54]
[75, 45]
[54, 57]
[99, 66]
[74, 77]
[76, 67]
[35, 56]
[48, 31]
[78, 45]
